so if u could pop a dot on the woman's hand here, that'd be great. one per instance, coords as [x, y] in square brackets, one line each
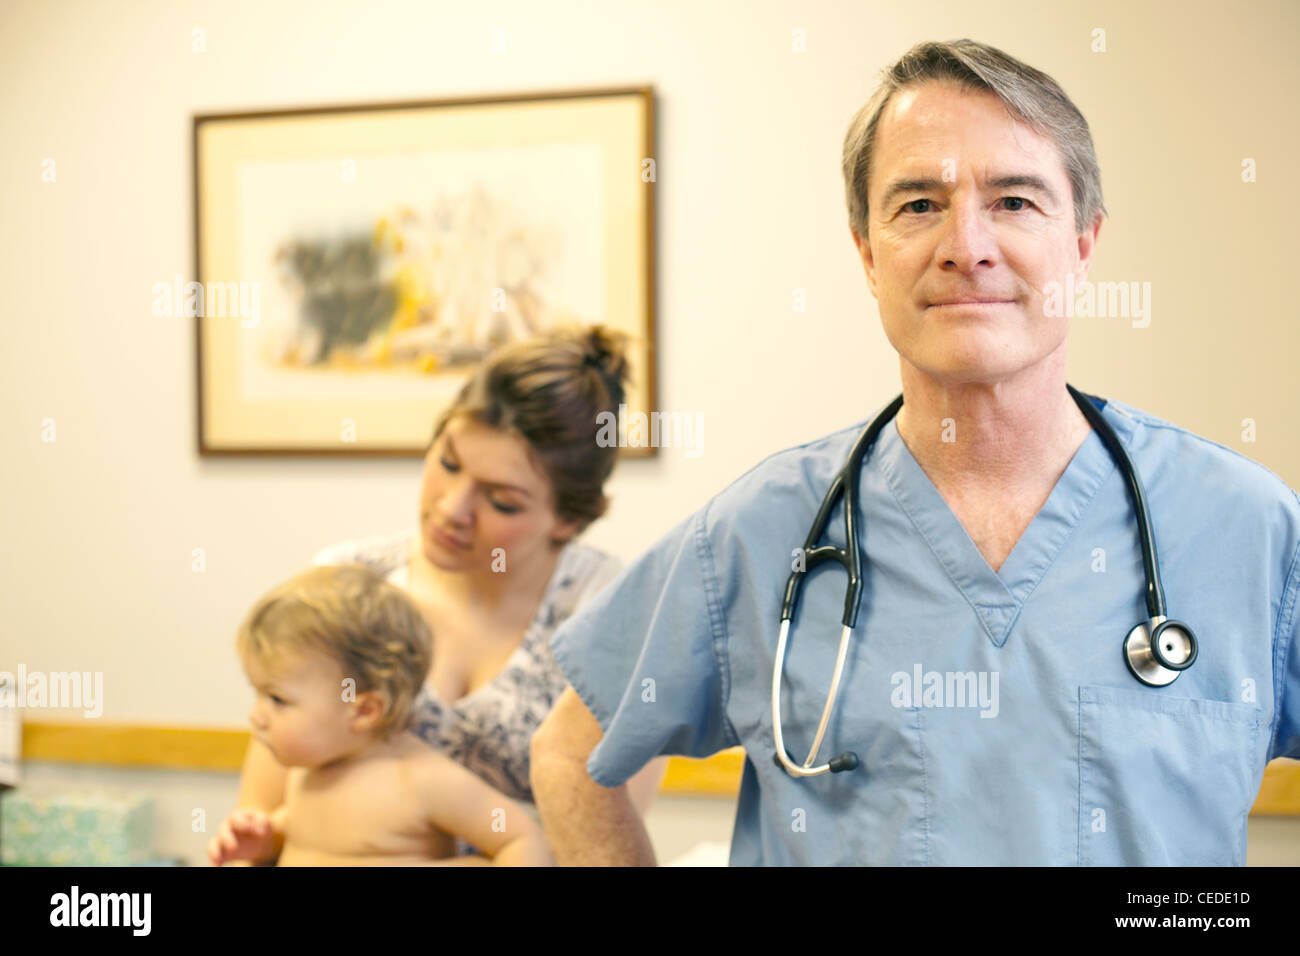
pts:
[244, 835]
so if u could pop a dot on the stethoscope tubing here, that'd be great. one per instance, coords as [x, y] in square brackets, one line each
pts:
[1155, 592]
[851, 559]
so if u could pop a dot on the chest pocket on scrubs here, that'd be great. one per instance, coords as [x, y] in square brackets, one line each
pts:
[1163, 781]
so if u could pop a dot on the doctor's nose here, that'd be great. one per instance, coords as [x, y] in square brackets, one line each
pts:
[967, 240]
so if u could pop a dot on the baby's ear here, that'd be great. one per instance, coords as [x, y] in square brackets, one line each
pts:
[369, 710]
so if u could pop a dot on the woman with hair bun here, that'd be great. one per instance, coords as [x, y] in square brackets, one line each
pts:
[512, 476]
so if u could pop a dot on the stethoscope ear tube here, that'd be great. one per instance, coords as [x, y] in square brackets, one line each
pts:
[850, 557]
[845, 761]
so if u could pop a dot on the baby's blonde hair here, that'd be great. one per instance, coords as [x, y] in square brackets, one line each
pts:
[348, 612]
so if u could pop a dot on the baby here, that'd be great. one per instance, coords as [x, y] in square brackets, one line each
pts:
[337, 656]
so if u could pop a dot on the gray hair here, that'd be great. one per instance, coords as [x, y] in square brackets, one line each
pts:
[1029, 95]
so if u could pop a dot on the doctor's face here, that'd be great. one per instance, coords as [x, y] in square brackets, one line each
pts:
[967, 204]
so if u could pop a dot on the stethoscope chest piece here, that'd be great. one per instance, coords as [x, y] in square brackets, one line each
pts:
[1158, 664]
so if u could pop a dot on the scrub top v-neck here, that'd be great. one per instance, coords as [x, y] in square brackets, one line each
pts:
[996, 596]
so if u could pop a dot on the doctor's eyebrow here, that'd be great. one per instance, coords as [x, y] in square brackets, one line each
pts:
[1028, 181]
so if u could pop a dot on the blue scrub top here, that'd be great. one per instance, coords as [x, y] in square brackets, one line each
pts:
[993, 714]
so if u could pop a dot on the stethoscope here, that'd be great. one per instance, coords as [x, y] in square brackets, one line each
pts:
[1156, 650]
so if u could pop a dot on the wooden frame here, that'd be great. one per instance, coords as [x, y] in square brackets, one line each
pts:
[361, 362]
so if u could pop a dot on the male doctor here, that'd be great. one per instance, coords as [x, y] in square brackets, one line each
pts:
[985, 693]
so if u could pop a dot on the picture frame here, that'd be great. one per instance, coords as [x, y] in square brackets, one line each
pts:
[353, 264]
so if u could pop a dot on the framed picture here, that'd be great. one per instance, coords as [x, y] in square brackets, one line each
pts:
[355, 263]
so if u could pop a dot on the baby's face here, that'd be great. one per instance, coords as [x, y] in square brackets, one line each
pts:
[300, 714]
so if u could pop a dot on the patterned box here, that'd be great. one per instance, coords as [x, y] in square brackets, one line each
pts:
[75, 828]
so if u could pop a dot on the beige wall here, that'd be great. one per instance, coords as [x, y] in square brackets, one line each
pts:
[99, 525]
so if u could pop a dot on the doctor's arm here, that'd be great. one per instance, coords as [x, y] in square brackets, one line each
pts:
[587, 824]
[645, 784]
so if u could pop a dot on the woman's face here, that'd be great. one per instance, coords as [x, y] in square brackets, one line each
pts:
[481, 493]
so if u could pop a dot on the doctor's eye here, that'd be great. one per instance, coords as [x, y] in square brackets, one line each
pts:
[907, 206]
[1019, 199]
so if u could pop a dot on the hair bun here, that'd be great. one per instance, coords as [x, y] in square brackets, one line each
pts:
[605, 349]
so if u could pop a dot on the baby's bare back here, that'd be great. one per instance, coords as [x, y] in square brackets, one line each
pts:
[372, 811]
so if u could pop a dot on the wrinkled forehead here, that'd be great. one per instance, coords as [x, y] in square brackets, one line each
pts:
[940, 128]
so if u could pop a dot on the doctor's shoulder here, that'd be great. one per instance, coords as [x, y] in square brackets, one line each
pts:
[793, 477]
[1220, 478]
[1196, 458]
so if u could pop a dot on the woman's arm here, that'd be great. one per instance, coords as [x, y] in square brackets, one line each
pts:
[462, 804]
[261, 783]
[261, 786]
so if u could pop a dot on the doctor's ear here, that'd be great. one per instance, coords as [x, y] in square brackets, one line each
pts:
[864, 254]
[1087, 244]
